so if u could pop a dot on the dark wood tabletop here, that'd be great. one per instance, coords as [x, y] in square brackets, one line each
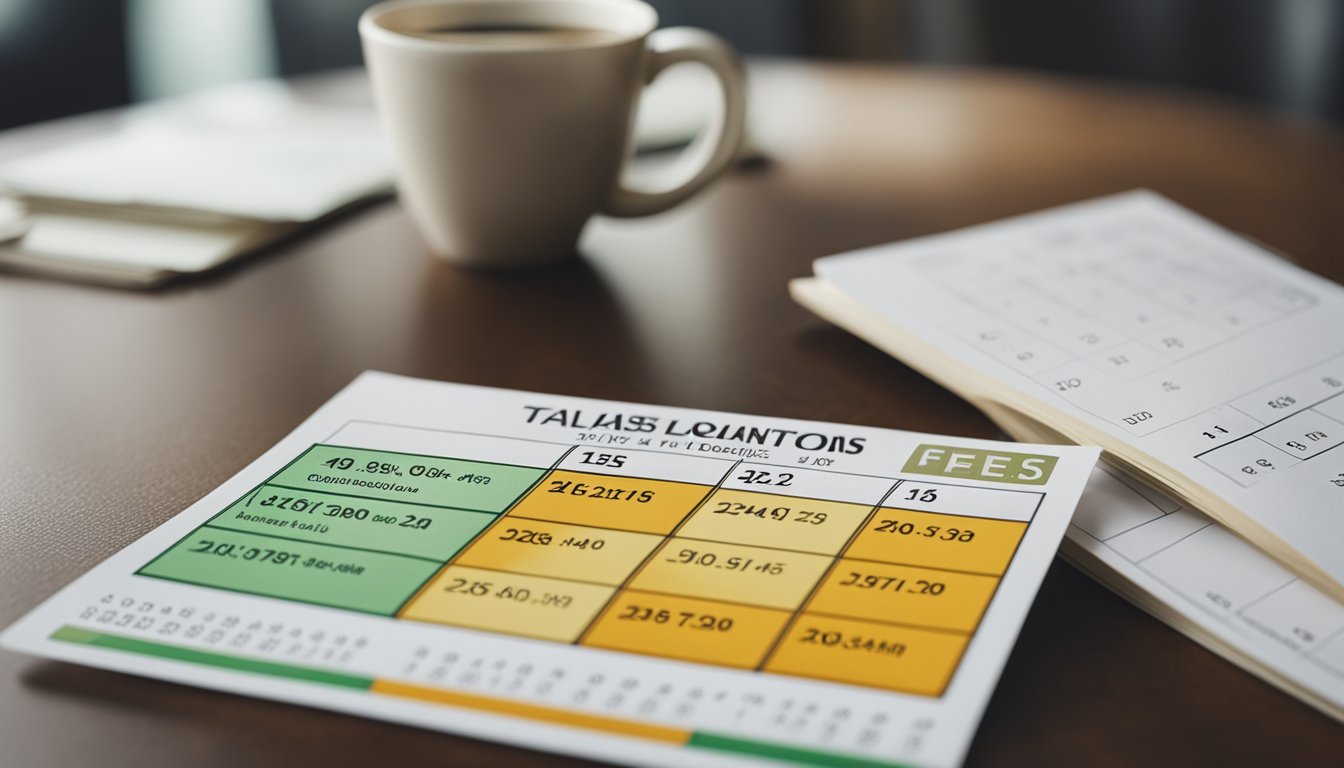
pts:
[118, 409]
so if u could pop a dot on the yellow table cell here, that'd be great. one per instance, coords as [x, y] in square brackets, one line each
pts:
[515, 604]
[905, 595]
[626, 503]
[865, 653]
[940, 541]
[772, 578]
[771, 520]
[555, 549]
[687, 629]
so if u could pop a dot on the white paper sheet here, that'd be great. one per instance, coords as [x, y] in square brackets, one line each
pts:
[1155, 327]
[248, 150]
[1224, 587]
[636, 583]
[140, 244]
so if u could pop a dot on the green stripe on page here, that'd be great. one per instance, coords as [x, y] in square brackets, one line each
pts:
[698, 740]
[70, 634]
[773, 751]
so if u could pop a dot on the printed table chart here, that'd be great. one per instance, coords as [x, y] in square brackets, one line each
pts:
[803, 572]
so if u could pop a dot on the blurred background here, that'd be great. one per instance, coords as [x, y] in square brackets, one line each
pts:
[62, 57]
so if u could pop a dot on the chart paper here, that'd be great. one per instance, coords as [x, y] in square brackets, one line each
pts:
[635, 583]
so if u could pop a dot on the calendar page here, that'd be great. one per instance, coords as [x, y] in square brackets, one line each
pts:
[636, 583]
[1178, 340]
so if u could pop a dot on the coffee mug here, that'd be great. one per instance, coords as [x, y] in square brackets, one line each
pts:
[510, 121]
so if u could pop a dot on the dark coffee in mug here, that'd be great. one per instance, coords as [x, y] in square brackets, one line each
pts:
[519, 36]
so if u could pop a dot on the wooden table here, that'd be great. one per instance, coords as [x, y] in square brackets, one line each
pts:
[119, 409]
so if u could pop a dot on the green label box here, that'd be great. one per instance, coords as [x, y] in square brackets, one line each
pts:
[346, 527]
[980, 464]
[427, 480]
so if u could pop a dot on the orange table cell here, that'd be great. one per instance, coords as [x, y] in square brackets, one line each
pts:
[905, 594]
[941, 541]
[687, 629]
[771, 578]
[865, 653]
[514, 604]
[771, 520]
[556, 549]
[625, 503]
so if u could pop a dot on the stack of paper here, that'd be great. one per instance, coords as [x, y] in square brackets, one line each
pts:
[184, 186]
[1201, 363]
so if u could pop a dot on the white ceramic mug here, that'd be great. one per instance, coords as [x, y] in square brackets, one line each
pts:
[505, 151]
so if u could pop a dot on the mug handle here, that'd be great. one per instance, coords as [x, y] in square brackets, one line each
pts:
[715, 147]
